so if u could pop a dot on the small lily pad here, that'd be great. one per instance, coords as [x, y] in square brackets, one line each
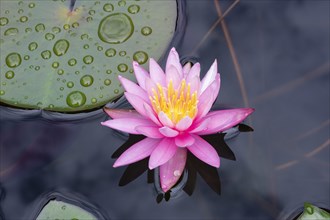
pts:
[64, 60]
[312, 212]
[62, 210]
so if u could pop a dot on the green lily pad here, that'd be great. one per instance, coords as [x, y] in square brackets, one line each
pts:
[68, 61]
[312, 212]
[62, 210]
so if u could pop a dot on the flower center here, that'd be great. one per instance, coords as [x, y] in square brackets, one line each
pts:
[175, 103]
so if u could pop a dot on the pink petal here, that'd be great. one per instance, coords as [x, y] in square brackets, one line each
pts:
[132, 88]
[184, 140]
[207, 98]
[171, 171]
[137, 102]
[156, 72]
[224, 119]
[205, 152]
[151, 132]
[194, 72]
[140, 74]
[136, 152]
[150, 86]
[168, 132]
[173, 75]
[174, 60]
[186, 68]
[200, 126]
[209, 76]
[127, 124]
[151, 114]
[184, 124]
[162, 153]
[122, 113]
[165, 120]
[195, 85]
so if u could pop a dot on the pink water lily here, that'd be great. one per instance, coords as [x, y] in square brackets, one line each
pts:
[172, 111]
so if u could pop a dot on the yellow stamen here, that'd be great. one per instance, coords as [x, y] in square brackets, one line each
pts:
[175, 103]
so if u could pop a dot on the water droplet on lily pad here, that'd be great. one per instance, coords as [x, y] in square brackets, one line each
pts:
[32, 5]
[11, 32]
[133, 9]
[76, 99]
[23, 19]
[61, 47]
[55, 65]
[33, 46]
[49, 36]
[13, 60]
[116, 28]
[122, 53]
[108, 7]
[122, 3]
[72, 62]
[146, 31]
[122, 67]
[141, 57]
[110, 52]
[3, 21]
[46, 54]
[86, 80]
[56, 30]
[70, 84]
[10, 74]
[107, 82]
[40, 27]
[88, 59]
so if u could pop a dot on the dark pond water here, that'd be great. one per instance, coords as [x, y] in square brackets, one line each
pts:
[282, 53]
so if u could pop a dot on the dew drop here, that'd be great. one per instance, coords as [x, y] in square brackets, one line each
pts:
[40, 27]
[108, 71]
[28, 30]
[61, 47]
[13, 60]
[122, 53]
[94, 100]
[3, 21]
[86, 80]
[122, 3]
[133, 9]
[99, 48]
[20, 11]
[86, 46]
[49, 36]
[89, 19]
[51, 106]
[72, 62]
[177, 173]
[26, 57]
[46, 54]
[2, 92]
[32, 5]
[110, 52]
[75, 25]
[11, 32]
[33, 46]
[62, 88]
[84, 36]
[107, 82]
[146, 31]
[56, 30]
[37, 68]
[76, 99]
[91, 12]
[141, 57]
[63, 207]
[88, 59]
[66, 27]
[116, 91]
[115, 28]
[55, 65]
[10, 74]
[70, 84]
[23, 19]
[60, 72]
[108, 7]
[122, 67]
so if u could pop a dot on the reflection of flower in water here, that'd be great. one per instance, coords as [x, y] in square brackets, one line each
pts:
[172, 111]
